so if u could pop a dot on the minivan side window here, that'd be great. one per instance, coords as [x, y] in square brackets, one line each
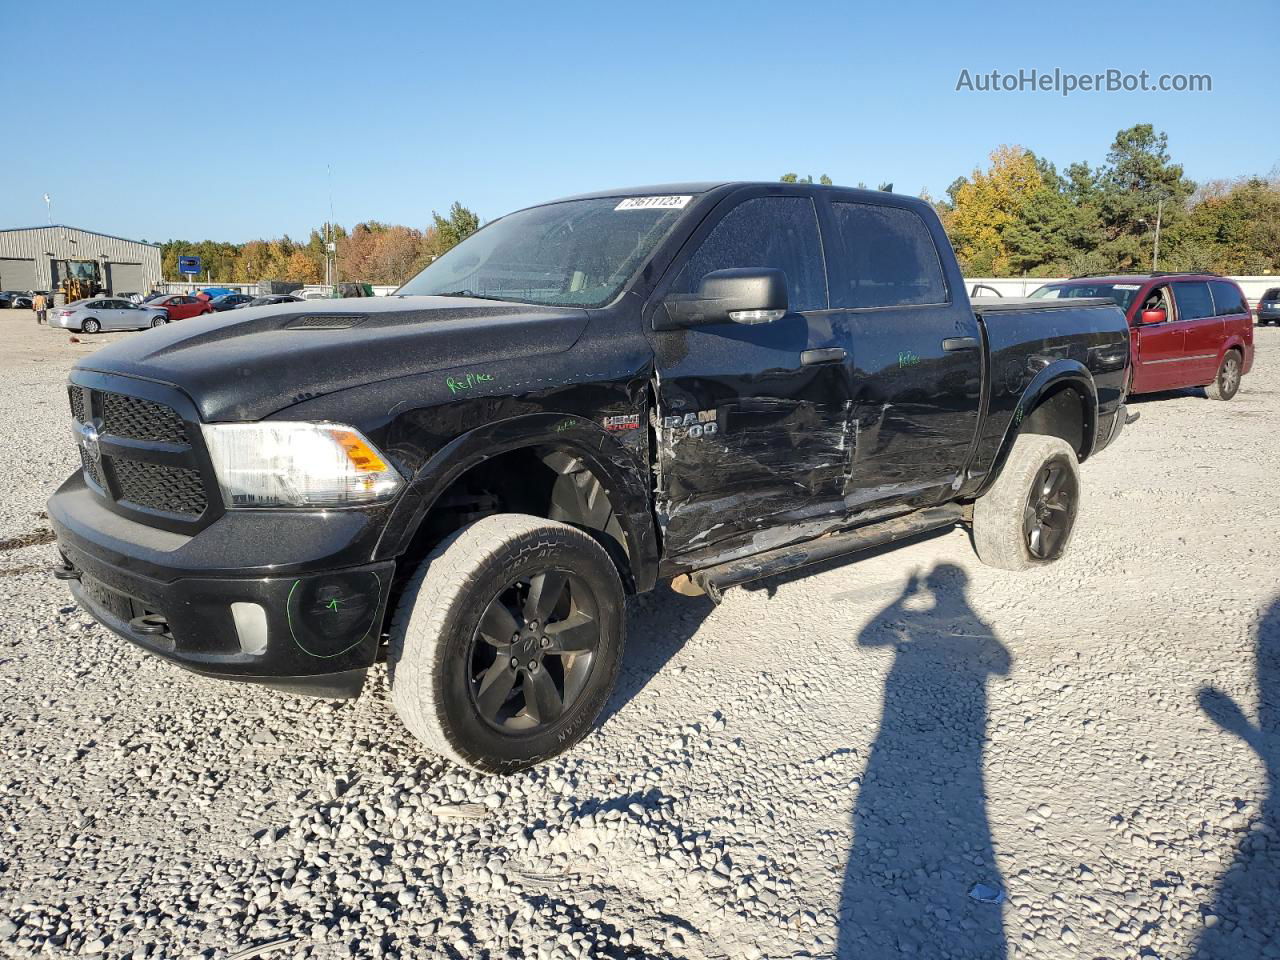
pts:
[889, 257]
[777, 232]
[1227, 298]
[1193, 300]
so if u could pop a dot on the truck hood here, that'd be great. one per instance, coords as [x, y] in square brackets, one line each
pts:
[247, 364]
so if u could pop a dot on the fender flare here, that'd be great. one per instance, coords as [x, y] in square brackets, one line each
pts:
[618, 469]
[1058, 373]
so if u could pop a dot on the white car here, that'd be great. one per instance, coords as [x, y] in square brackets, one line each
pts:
[107, 313]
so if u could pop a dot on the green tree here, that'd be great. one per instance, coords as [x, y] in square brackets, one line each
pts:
[1138, 181]
[808, 178]
[448, 232]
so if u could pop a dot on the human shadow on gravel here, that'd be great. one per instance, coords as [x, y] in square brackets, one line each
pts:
[1247, 905]
[921, 834]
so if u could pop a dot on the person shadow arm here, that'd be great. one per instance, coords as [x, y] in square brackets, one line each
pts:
[1226, 713]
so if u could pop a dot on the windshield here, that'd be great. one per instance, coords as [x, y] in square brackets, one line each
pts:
[578, 253]
[1121, 293]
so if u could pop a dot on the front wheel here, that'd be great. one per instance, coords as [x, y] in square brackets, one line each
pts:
[158, 322]
[507, 642]
[1027, 517]
[90, 326]
[1227, 383]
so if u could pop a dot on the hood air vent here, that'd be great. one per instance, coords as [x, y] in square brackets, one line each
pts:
[325, 321]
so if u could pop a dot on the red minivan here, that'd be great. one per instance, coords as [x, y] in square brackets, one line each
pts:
[1188, 329]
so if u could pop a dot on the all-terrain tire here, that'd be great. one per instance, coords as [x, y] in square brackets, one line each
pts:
[1227, 383]
[435, 634]
[1003, 525]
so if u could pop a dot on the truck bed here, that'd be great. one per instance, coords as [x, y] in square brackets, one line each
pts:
[985, 305]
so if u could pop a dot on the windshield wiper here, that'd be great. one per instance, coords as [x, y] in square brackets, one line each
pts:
[468, 293]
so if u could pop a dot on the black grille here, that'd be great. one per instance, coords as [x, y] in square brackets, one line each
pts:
[77, 403]
[171, 489]
[140, 419]
[90, 468]
[143, 457]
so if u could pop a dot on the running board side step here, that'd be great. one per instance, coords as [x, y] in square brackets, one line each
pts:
[713, 581]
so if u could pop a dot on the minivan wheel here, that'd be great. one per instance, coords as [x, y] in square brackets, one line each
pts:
[1027, 517]
[506, 642]
[90, 326]
[1227, 383]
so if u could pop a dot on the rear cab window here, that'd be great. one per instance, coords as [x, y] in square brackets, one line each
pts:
[775, 232]
[888, 256]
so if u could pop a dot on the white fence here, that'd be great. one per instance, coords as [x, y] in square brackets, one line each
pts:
[1253, 287]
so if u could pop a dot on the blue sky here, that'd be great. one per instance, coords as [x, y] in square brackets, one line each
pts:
[217, 120]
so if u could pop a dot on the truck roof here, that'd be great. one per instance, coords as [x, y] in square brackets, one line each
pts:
[706, 186]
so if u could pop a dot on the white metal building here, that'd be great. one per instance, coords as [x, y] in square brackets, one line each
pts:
[39, 258]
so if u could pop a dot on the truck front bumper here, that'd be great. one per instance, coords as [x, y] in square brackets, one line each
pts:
[312, 626]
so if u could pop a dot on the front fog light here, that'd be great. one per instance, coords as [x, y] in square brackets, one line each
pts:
[286, 464]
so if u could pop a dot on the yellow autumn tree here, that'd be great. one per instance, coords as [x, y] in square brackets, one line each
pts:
[985, 205]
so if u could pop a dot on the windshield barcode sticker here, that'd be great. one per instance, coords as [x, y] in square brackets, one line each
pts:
[650, 203]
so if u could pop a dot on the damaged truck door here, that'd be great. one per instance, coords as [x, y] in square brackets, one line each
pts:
[753, 395]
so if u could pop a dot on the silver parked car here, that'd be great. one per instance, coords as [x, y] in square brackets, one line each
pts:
[107, 313]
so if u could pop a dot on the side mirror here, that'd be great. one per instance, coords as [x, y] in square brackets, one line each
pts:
[741, 295]
[1153, 316]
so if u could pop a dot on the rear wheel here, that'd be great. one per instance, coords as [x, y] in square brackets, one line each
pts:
[1227, 383]
[1027, 517]
[507, 642]
[90, 326]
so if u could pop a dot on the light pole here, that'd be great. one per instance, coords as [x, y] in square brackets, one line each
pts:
[1155, 252]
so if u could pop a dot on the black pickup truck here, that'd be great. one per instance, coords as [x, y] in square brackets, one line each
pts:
[700, 383]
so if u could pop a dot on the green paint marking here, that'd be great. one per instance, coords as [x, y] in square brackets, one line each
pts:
[333, 604]
[461, 384]
[907, 359]
[288, 615]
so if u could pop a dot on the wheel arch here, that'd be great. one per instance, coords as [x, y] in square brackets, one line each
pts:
[1062, 401]
[558, 466]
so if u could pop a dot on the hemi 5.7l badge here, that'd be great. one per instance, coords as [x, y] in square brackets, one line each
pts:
[617, 424]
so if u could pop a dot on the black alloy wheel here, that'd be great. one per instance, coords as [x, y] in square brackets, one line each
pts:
[1050, 511]
[531, 654]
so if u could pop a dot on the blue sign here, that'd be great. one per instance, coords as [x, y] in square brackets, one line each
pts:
[189, 265]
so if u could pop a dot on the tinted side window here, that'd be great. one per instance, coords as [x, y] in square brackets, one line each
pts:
[1193, 300]
[1272, 294]
[778, 232]
[889, 257]
[1227, 298]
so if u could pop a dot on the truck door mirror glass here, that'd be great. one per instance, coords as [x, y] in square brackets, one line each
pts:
[739, 295]
[1154, 316]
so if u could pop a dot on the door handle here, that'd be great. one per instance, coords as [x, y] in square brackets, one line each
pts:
[959, 344]
[823, 355]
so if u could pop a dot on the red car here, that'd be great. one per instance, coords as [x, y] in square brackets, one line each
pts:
[1187, 329]
[179, 306]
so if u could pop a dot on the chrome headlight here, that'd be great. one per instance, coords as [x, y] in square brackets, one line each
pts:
[288, 464]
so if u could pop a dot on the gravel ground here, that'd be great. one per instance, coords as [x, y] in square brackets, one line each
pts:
[822, 767]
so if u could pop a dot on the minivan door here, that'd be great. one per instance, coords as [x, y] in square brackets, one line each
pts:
[916, 353]
[751, 420]
[1158, 348]
[1204, 332]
